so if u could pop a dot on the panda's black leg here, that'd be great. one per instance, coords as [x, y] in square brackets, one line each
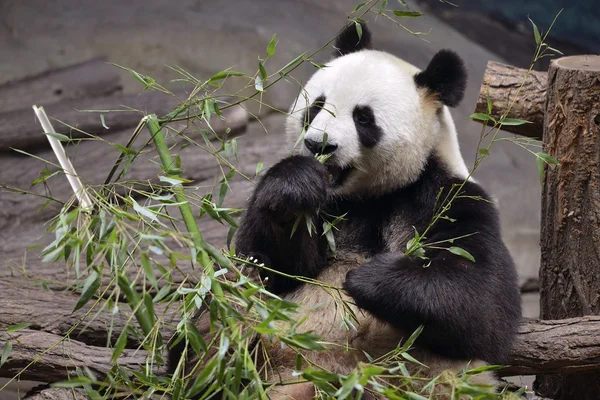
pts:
[295, 188]
[451, 297]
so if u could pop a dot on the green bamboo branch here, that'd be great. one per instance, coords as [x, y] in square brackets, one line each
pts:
[169, 167]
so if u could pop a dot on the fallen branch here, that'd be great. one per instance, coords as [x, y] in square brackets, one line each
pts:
[26, 303]
[567, 346]
[502, 82]
[43, 356]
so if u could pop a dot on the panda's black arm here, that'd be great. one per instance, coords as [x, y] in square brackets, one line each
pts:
[469, 310]
[295, 187]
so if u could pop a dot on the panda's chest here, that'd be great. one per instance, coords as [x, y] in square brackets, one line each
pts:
[372, 226]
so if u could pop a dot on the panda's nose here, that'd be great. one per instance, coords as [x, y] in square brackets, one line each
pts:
[318, 148]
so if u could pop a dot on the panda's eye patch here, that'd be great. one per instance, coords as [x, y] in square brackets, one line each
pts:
[313, 110]
[363, 115]
[368, 132]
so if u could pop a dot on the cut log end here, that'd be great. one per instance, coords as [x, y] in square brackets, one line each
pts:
[579, 63]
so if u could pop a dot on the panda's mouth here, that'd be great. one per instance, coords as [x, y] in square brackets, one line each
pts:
[337, 174]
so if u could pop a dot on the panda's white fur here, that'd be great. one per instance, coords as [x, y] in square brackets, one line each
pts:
[405, 113]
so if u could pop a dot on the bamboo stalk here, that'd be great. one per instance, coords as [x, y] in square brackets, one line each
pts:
[82, 196]
[162, 148]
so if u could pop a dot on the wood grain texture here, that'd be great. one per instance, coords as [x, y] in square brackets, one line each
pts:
[570, 228]
[24, 302]
[48, 393]
[569, 346]
[41, 356]
[502, 82]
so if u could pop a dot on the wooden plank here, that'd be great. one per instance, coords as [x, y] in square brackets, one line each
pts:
[90, 78]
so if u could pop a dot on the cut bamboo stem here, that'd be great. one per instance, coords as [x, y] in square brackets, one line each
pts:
[84, 200]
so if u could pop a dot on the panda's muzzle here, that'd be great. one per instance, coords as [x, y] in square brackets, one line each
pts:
[337, 174]
[316, 147]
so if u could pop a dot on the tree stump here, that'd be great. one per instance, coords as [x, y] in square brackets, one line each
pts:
[570, 232]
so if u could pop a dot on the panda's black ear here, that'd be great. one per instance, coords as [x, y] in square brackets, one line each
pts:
[445, 76]
[349, 40]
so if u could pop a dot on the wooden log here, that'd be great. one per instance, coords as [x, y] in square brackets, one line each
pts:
[43, 356]
[24, 302]
[568, 346]
[19, 129]
[45, 392]
[90, 78]
[570, 228]
[502, 83]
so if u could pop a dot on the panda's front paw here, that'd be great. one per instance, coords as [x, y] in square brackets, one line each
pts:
[369, 284]
[297, 183]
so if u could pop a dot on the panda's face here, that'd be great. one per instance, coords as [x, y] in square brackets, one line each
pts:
[365, 110]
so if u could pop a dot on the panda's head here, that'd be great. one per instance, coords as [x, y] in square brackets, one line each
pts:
[378, 117]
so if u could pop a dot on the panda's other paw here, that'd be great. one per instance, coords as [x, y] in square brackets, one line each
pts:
[297, 183]
[369, 284]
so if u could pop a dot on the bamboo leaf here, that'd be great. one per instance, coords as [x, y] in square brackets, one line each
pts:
[547, 158]
[125, 150]
[414, 396]
[271, 46]
[58, 136]
[461, 252]
[259, 167]
[5, 352]
[361, 5]
[359, 32]
[513, 121]
[17, 327]
[119, 345]
[407, 14]
[91, 284]
[536, 32]
[148, 271]
[481, 117]
[540, 165]
[262, 70]
[258, 84]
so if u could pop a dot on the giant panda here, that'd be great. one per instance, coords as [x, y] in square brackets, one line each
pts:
[393, 156]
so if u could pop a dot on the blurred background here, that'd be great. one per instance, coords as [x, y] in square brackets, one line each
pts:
[204, 37]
